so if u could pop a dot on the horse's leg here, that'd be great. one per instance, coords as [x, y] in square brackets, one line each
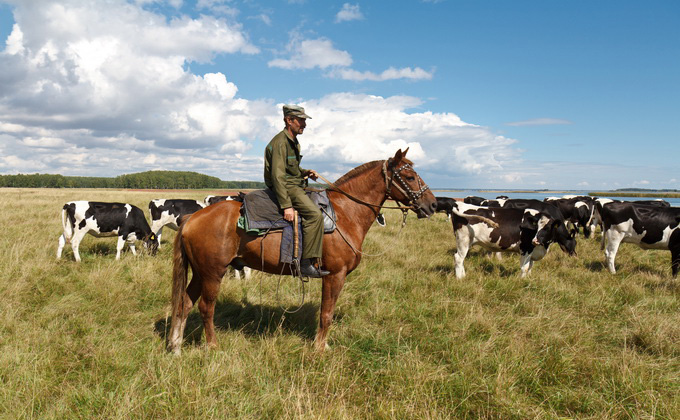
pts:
[209, 291]
[330, 290]
[179, 323]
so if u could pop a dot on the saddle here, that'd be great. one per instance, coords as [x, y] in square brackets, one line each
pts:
[260, 214]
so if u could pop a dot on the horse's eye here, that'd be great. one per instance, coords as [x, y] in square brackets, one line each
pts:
[411, 178]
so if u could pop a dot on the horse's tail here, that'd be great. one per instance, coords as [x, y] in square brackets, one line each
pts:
[180, 274]
[475, 218]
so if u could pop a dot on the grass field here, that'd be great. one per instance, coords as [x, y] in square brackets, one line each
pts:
[82, 341]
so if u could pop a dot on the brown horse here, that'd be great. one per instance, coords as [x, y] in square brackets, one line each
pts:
[210, 241]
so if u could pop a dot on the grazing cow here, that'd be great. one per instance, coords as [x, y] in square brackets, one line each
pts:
[522, 203]
[650, 227]
[212, 199]
[126, 221]
[576, 210]
[169, 212]
[474, 200]
[525, 231]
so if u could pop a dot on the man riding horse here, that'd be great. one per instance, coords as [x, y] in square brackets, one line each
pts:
[283, 175]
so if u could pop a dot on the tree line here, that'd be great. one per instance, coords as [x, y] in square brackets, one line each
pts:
[142, 180]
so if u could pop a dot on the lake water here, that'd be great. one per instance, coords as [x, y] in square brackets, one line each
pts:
[675, 202]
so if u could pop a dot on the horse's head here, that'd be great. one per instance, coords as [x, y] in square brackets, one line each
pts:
[405, 186]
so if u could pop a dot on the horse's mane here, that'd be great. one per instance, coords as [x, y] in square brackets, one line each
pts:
[358, 170]
[361, 169]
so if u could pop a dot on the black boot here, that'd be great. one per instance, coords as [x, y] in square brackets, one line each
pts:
[307, 269]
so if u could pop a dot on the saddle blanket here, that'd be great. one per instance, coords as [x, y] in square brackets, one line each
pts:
[261, 214]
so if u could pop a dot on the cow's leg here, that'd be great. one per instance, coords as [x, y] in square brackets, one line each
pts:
[330, 290]
[62, 242]
[525, 264]
[603, 240]
[131, 244]
[158, 235]
[119, 247]
[614, 239]
[78, 236]
[462, 248]
[675, 260]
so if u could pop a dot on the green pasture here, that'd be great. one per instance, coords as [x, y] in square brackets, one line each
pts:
[409, 340]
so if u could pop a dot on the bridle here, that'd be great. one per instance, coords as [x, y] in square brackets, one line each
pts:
[402, 186]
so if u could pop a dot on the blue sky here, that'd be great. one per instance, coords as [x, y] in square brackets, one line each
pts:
[487, 94]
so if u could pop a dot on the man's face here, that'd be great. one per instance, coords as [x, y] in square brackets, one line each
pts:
[297, 125]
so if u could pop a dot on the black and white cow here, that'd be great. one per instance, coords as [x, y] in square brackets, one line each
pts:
[474, 200]
[212, 199]
[125, 221]
[445, 205]
[524, 231]
[169, 212]
[650, 227]
[577, 210]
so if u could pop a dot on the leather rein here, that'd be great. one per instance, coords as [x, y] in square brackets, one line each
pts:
[400, 185]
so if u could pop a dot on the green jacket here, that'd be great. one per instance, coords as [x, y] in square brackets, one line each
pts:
[282, 167]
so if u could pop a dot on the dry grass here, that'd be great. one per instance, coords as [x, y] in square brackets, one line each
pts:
[409, 340]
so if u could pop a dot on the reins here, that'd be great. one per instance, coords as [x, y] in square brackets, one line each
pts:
[413, 195]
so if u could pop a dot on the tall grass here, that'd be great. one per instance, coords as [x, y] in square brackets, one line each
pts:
[409, 340]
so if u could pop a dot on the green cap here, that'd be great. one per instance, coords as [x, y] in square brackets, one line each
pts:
[295, 111]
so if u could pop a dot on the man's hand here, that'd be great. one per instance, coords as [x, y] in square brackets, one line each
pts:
[288, 214]
[312, 174]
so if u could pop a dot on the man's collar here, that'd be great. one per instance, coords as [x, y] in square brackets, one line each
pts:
[291, 138]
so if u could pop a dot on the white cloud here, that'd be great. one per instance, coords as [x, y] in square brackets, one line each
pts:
[349, 12]
[311, 53]
[348, 129]
[389, 74]
[539, 121]
[320, 53]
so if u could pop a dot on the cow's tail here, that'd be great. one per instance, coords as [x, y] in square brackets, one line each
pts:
[475, 218]
[180, 274]
[66, 223]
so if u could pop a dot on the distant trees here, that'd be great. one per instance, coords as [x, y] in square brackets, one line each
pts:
[143, 180]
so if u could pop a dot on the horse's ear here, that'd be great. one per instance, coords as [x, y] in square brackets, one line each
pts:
[399, 156]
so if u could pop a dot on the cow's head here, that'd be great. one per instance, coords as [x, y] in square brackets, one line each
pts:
[151, 243]
[551, 230]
